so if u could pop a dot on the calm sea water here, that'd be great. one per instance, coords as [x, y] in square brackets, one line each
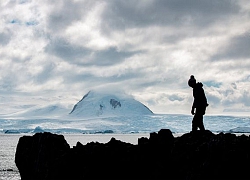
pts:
[8, 169]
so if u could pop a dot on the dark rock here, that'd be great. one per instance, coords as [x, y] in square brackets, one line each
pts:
[36, 155]
[194, 155]
[104, 132]
[12, 132]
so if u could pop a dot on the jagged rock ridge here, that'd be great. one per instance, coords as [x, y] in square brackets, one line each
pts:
[199, 155]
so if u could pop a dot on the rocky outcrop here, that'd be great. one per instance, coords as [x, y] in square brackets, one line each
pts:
[200, 155]
[37, 155]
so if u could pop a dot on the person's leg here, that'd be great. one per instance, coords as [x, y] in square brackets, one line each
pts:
[201, 125]
[194, 123]
[199, 113]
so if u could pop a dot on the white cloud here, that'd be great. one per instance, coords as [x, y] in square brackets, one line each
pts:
[86, 31]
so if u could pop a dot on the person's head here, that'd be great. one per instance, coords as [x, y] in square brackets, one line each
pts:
[192, 81]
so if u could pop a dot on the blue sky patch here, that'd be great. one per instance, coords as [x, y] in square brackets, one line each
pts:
[212, 84]
[14, 21]
[31, 23]
[23, 1]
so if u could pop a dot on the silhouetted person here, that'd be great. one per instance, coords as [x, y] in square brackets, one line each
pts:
[199, 104]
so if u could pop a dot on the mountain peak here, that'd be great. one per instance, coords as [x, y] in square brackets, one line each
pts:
[104, 104]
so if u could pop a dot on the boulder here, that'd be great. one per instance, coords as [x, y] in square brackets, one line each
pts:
[36, 155]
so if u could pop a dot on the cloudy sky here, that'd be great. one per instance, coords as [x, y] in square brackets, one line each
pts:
[56, 51]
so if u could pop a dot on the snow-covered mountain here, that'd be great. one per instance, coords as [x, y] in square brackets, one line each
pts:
[95, 104]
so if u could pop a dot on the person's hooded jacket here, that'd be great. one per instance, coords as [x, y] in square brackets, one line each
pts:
[200, 100]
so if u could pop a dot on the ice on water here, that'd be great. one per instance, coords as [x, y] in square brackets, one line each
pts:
[124, 124]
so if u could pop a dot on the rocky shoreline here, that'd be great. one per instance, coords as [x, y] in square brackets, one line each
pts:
[199, 155]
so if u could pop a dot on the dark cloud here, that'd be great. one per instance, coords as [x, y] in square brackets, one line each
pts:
[66, 51]
[84, 78]
[46, 74]
[124, 14]
[9, 83]
[67, 12]
[94, 80]
[213, 100]
[84, 56]
[110, 56]
[4, 38]
[237, 48]
[174, 38]
[242, 98]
